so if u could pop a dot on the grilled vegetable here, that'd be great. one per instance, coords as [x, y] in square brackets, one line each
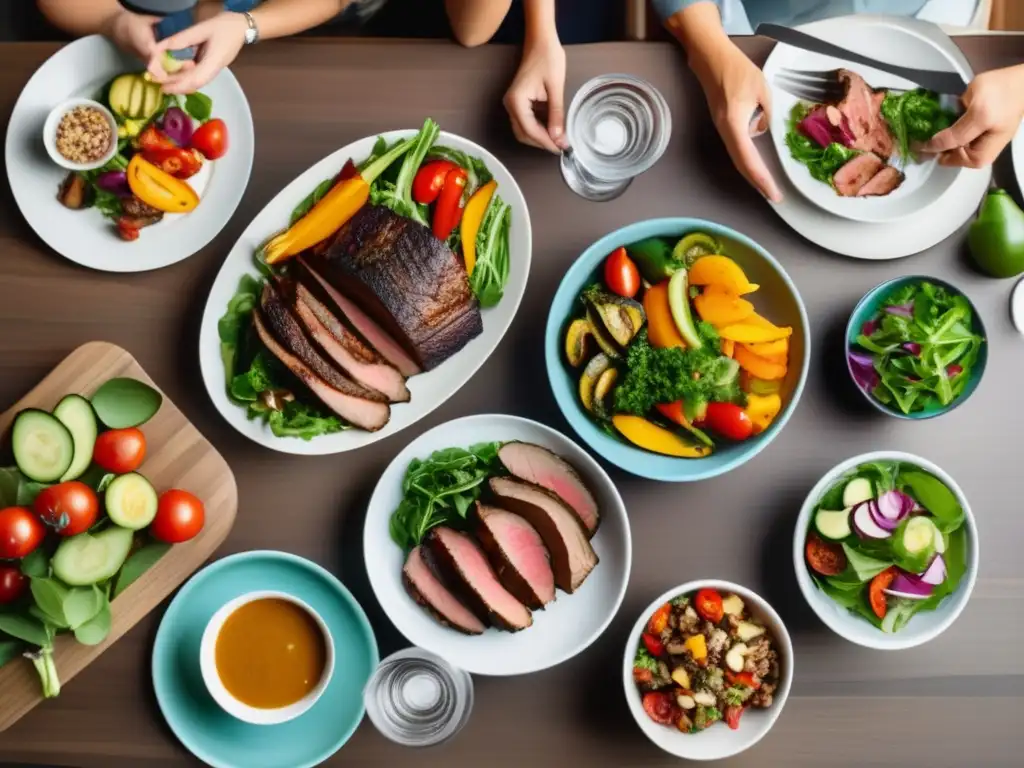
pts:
[576, 341]
[622, 318]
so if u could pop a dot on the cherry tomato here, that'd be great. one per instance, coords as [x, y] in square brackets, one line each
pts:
[68, 508]
[621, 274]
[732, 717]
[430, 179]
[126, 230]
[13, 583]
[153, 138]
[180, 163]
[179, 517]
[742, 678]
[826, 558]
[653, 644]
[876, 591]
[20, 533]
[728, 420]
[708, 603]
[659, 620]
[120, 450]
[642, 676]
[448, 211]
[211, 138]
[660, 707]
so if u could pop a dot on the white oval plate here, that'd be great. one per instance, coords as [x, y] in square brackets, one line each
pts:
[562, 630]
[893, 239]
[925, 182]
[429, 389]
[81, 69]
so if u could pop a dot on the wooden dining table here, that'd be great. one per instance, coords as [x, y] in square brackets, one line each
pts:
[955, 702]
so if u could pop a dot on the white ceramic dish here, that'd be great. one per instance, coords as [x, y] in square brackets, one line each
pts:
[53, 122]
[887, 240]
[924, 626]
[719, 741]
[220, 694]
[81, 69]
[565, 627]
[429, 389]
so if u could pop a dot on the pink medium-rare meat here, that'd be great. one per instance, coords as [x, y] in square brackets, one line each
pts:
[366, 414]
[540, 466]
[572, 556]
[862, 108]
[463, 562]
[882, 183]
[855, 173]
[426, 589]
[367, 328]
[518, 555]
[825, 125]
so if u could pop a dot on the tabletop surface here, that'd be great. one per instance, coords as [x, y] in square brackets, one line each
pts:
[954, 702]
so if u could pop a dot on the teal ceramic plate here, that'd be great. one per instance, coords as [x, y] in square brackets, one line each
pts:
[216, 737]
[871, 305]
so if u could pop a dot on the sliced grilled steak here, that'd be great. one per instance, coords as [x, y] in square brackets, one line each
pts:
[540, 466]
[857, 172]
[518, 555]
[572, 557]
[427, 590]
[407, 280]
[862, 107]
[367, 414]
[882, 183]
[463, 562]
[346, 310]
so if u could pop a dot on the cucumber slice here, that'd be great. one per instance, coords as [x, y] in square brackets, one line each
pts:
[833, 524]
[940, 541]
[75, 413]
[919, 535]
[856, 491]
[91, 558]
[131, 501]
[43, 447]
[693, 246]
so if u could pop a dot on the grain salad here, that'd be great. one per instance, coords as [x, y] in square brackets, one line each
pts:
[84, 135]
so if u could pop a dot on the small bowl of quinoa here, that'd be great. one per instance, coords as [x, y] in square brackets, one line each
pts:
[80, 135]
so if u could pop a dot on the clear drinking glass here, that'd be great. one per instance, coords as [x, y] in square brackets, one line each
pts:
[617, 127]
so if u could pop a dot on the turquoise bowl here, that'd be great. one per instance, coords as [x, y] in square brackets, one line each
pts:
[869, 306]
[210, 733]
[777, 299]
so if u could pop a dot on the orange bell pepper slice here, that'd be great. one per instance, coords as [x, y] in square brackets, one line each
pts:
[159, 189]
[661, 328]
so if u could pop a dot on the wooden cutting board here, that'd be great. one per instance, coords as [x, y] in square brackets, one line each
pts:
[178, 456]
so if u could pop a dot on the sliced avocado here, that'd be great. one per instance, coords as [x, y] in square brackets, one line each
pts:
[576, 341]
[679, 303]
[138, 93]
[154, 97]
[604, 340]
[588, 381]
[120, 95]
[694, 245]
[172, 64]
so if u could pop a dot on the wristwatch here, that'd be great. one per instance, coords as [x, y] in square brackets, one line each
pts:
[252, 32]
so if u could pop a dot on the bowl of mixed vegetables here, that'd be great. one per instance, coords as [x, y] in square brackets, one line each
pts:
[707, 670]
[886, 550]
[677, 348]
[916, 347]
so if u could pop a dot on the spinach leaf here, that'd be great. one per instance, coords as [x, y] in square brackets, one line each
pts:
[49, 596]
[864, 566]
[199, 106]
[36, 564]
[233, 326]
[82, 604]
[932, 494]
[24, 628]
[138, 563]
[10, 479]
[311, 199]
[28, 490]
[10, 649]
[821, 162]
[95, 631]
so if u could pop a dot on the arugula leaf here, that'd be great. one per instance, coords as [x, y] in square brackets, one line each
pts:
[490, 273]
[915, 116]
[821, 162]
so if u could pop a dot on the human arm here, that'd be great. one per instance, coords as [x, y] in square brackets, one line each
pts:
[132, 32]
[473, 22]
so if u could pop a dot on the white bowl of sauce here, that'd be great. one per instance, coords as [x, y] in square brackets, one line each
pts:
[266, 657]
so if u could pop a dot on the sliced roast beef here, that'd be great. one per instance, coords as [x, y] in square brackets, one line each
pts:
[408, 281]
[566, 539]
[462, 562]
[855, 173]
[364, 325]
[426, 589]
[540, 466]
[862, 107]
[518, 555]
[882, 183]
[365, 413]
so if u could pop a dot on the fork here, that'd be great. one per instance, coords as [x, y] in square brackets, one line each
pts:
[816, 87]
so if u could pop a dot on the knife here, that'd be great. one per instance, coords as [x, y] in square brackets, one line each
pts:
[951, 83]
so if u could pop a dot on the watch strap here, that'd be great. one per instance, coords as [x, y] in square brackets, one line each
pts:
[252, 32]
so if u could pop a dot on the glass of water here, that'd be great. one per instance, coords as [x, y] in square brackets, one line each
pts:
[618, 126]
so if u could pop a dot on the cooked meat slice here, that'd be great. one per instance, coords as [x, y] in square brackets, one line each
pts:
[518, 555]
[73, 191]
[463, 562]
[882, 183]
[367, 414]
[427, 590]
[407, 280]
[566, 539]
[346, 309]
[862, 108]
[540, 466]
[136, 209]
[856, 173]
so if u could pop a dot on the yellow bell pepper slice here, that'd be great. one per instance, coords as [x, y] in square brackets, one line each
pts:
[762, 410]
[697, 647]
[472, 218]
[159, 189]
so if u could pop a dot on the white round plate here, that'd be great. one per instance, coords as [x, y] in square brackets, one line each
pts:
[925, 182]
[429, 389]
[565, 627]
[81, 69]
[893, 239]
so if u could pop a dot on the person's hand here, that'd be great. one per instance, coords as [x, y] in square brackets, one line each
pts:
[994, 104]
[735, 88]
[541, 78]
[132, 33]
[217, 40]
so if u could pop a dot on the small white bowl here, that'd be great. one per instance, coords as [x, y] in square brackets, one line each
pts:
[924, 626]
[719, 741]
[231, 705]
[50, 134]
